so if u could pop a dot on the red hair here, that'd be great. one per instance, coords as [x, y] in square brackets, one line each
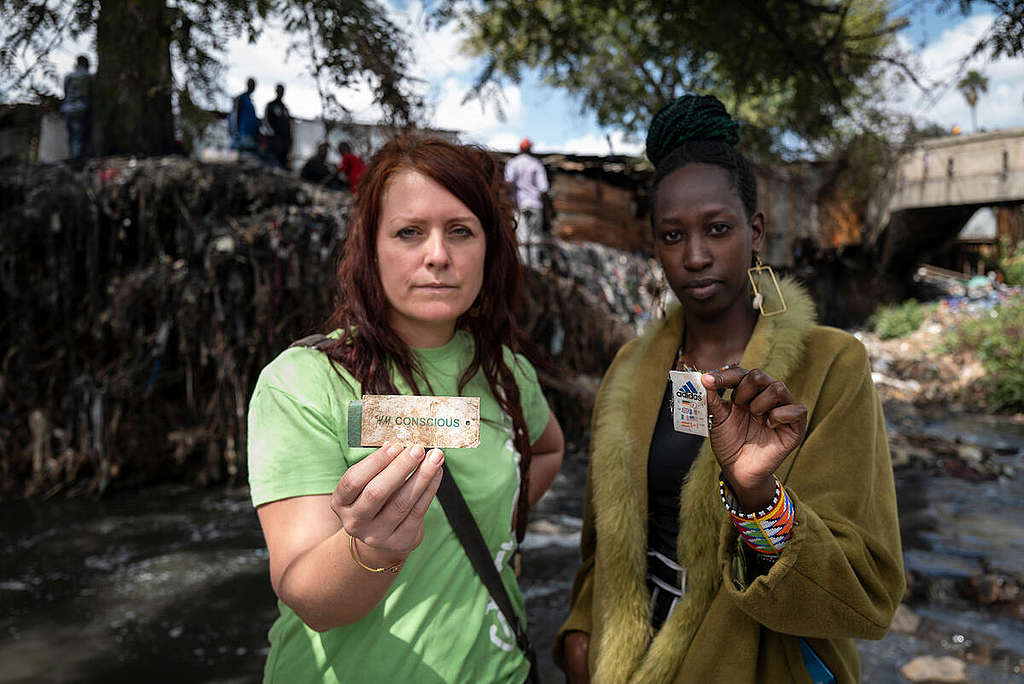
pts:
[369, 348]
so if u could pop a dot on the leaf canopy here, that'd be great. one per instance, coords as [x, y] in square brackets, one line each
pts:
[796, 67]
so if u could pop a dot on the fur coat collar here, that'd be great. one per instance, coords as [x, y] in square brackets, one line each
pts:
[631, 398]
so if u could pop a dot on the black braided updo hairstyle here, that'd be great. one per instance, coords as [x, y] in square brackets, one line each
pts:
[697, 129]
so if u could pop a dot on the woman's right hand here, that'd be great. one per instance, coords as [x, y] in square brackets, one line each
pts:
[381, 501]
[577, 655]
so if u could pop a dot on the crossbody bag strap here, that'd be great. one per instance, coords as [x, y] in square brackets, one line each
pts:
[316, 341]
[468, 533]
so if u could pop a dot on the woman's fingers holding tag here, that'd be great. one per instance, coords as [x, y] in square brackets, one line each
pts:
[368, 488]
[756, 383]
[723, 379]
[794, 415]
[408, 531]
[356, 477]
[408, 500]
[765, 398]
[423, 503]
[710, 382]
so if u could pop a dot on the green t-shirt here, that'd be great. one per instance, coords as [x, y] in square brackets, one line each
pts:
[437, 623]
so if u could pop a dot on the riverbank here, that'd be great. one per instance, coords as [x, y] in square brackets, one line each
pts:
[168, 584]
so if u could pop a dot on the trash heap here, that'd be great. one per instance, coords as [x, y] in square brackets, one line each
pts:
[629, 284]
[921, 369]
[139, 300]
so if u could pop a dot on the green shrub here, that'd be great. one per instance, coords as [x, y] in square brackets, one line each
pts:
[898, 320]
[1013, 268]
[997, 338]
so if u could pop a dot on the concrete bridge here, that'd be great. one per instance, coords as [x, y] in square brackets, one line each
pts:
[979, 169]
[939, 183]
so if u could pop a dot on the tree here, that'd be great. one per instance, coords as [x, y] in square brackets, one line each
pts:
[796, 67]
[1005, 37]
[154, 53]
[972, 85]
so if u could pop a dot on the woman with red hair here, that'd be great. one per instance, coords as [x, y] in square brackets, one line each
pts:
[372, 582]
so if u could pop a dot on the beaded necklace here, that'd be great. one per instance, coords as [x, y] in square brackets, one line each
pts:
[681, 365]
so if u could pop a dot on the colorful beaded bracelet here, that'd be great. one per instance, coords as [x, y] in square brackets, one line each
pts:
[766, 531]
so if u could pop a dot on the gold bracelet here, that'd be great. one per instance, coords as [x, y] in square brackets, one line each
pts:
[393, 569]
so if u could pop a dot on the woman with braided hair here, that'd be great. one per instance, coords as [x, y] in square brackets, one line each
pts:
[757, 554]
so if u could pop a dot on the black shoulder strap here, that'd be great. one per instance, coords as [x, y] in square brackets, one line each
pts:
[316, 341]
[468, 533]
[466, 529]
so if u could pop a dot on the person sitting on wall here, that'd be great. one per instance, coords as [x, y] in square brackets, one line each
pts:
[317, 170]
[351, 165]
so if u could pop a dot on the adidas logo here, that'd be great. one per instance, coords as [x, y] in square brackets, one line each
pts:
[689, 391]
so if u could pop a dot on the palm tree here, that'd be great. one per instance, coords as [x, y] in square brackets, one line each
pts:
[972, 85]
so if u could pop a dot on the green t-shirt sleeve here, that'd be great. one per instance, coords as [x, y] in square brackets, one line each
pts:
[294, 448]
[531, 398]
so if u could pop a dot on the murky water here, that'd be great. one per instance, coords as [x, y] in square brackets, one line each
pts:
[168, 585]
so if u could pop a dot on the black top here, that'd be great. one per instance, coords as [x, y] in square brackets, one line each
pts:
[277, 117]
[670, 457]
[315, 170]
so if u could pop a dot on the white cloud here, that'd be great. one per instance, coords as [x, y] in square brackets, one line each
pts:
[593, 144]
[267, 60]
[437, 53]
[941, 59]
[477, 119]
[506, 141]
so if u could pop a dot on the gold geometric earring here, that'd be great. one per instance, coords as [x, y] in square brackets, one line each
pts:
[662, 295]
[755, 273]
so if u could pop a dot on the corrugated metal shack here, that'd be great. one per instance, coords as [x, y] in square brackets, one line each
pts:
[606, 200]
[600, 199]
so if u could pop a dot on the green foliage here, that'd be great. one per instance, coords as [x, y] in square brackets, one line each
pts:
[782, 66]
[997, 338]
[342, 42]
[1006, 35]
[1013, 267]
[972, 86]
[898, 320]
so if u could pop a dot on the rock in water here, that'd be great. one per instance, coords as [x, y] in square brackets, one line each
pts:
[932, 670]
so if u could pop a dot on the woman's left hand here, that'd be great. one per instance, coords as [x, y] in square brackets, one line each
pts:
[752, 433]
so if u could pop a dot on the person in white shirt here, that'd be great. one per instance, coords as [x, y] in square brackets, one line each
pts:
[526, 173]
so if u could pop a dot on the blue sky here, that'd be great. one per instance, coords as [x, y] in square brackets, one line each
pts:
[552, 119]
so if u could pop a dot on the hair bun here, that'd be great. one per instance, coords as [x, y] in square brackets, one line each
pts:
[690, 117]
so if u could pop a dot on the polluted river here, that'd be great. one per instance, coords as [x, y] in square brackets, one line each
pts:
[168, 584]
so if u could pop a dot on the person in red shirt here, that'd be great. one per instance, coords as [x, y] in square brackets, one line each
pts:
[351, 165]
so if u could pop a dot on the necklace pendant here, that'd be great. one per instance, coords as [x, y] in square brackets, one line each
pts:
[681, 365]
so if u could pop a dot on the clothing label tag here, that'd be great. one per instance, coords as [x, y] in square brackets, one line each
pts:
[689, 403]
[444, 422]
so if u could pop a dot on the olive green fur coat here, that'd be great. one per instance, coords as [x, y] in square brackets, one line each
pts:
[839, 578]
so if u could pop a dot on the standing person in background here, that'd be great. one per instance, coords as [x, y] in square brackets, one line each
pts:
[243, 124]
[374, 586]
[280, 122]
[758, 554]
[77, 107]
[525, 172]
[351, 165]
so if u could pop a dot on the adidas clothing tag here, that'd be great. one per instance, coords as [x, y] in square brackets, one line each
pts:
[689, 403]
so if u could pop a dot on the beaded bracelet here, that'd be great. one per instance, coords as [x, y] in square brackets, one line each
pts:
[766, 531]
